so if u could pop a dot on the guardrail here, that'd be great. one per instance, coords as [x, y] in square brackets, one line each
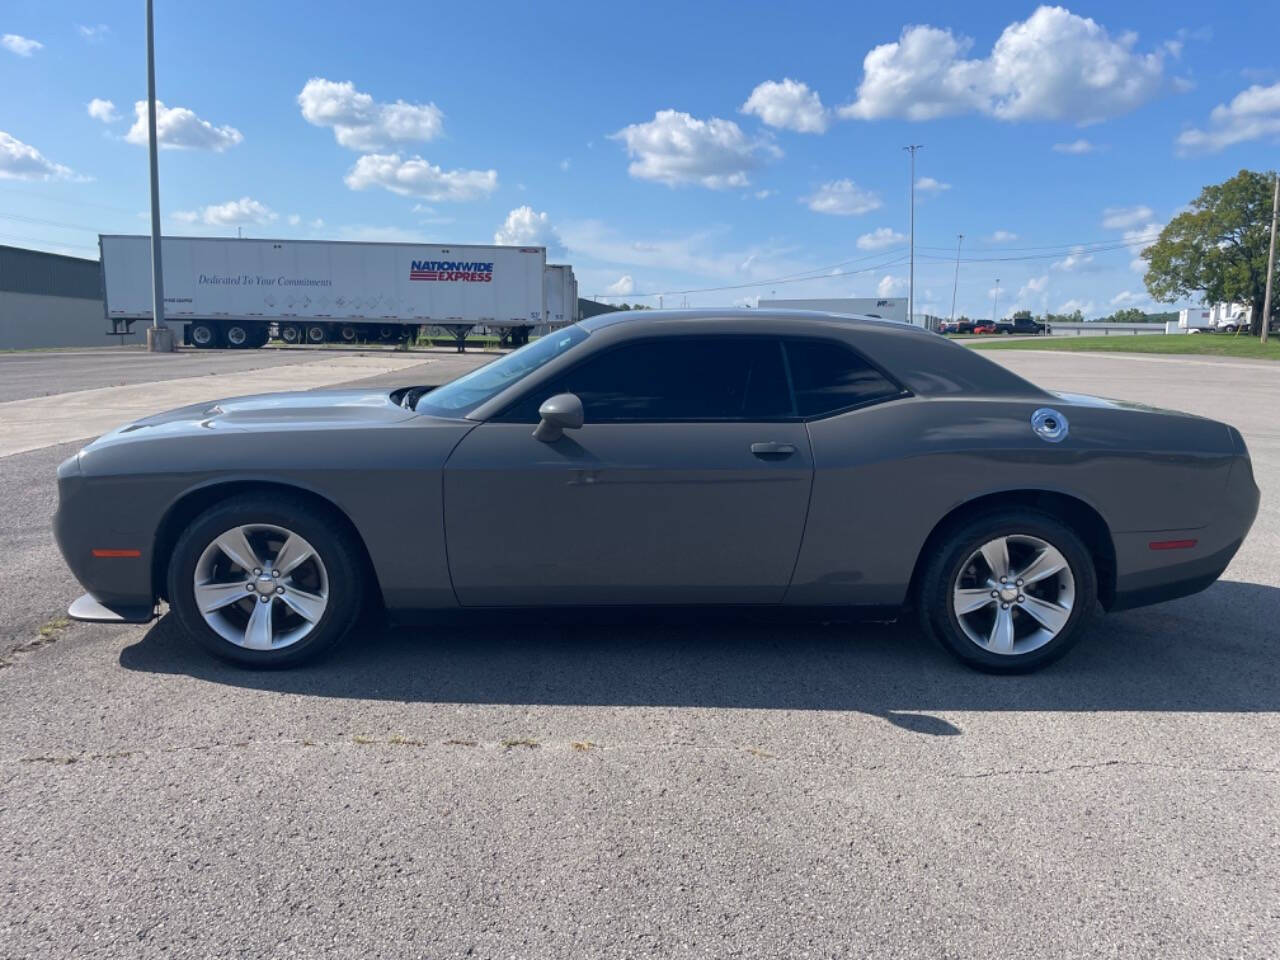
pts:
[1067, 328]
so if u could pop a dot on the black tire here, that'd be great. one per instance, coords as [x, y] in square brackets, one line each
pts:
[953, 549]
[316, 333]
[291, 333]
[205, 335]
[321, 528]
[348, 334]
[238, 336]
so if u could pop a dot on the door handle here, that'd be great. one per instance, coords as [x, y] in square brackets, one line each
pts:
[773, 448]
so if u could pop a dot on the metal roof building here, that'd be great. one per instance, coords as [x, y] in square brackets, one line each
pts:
[50, 300]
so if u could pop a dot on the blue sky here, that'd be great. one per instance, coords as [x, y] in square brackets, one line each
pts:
[657, 147]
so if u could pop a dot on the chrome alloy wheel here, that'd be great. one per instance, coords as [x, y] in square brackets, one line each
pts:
[261, 587]
[1014, 594]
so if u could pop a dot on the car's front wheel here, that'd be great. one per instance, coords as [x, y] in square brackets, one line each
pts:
[266, 581]
[1008, 591]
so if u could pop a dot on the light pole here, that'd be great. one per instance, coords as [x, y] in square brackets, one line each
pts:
[956, 282]
[1271, 260]
[995, 302]
[911, 277]
[159, 336]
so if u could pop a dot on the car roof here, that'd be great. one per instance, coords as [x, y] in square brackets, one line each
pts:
[786, 320]
[927, 364]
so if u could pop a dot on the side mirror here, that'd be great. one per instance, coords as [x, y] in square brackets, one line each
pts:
[559, 413]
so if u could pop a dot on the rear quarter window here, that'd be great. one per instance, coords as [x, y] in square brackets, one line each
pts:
[828, 377]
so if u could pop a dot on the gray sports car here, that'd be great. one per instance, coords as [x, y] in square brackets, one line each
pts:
[677, 458]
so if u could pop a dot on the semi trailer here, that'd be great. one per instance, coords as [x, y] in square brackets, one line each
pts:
[241, 293]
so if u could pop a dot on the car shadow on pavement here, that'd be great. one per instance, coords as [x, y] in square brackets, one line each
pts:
[1217, 651]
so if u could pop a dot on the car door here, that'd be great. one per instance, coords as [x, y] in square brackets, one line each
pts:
[687, 483]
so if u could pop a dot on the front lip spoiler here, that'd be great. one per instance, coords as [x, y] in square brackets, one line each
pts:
[91, 610]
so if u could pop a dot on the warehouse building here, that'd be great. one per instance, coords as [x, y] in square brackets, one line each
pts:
[49, 300]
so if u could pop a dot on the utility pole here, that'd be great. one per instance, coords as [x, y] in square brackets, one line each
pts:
[911, 281]
[956, 282]
[995, 303]
[159, 336]
[1271, 260]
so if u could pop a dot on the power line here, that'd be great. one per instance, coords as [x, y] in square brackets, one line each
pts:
[823, 273]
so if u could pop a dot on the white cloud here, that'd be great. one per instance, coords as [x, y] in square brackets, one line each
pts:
[317, 223]
[1138, 239]
[21, 161]
[1054, 65]
[1036, 285]
[361, 123]
[891, 286]
[880, 238]
[1076, 259]
[1003, 236]
[930, 185]
[1076, 147]
[22, 46]
[621, 287]
[93, 33]
[233, 213]
[565, 164]
[103, 110]
[415, 177]
[764, 194]
[1252, 114]
[675, 148]
[842, 198]
[1127, 297]
[294, 219]
[1119, 218]
[789, 105]
[525, 227]
[1071, 306]
[178, 128]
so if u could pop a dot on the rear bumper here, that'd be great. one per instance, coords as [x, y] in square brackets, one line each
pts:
[1171, 582]
[89, 610]
[1146, 574]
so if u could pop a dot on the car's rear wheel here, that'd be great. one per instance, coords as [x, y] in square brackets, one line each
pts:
[1008, 591]
[265, 581]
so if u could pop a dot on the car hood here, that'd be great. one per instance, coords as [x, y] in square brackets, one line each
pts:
[312, 409]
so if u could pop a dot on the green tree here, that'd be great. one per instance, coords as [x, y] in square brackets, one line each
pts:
[1217, 250]
[1022, 315]
[1128, 315]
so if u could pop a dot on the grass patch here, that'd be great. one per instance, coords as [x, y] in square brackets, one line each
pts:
[1202, 344]
[523, 742]
[582, 746]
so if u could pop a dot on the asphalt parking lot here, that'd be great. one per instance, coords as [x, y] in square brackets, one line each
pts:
[728, 787]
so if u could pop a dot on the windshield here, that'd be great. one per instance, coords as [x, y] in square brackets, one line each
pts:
[461, 396]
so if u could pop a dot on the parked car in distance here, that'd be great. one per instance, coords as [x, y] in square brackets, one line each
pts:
[985, 327]
[956, 326]
[1022, 325]
[754, 457]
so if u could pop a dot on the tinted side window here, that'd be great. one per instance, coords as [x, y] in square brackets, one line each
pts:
[828, 376]
[675, 378]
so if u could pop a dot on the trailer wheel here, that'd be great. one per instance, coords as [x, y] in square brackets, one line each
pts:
[386, 333]
[238, 336]
[316, 333]
[290, 333]
[347, 333]
[204, 334]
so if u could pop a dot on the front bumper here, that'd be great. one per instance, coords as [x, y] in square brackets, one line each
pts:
[92, 537]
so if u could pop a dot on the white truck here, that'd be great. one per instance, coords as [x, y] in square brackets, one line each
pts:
[240, 293]
[561, 295]
[1219, 317]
